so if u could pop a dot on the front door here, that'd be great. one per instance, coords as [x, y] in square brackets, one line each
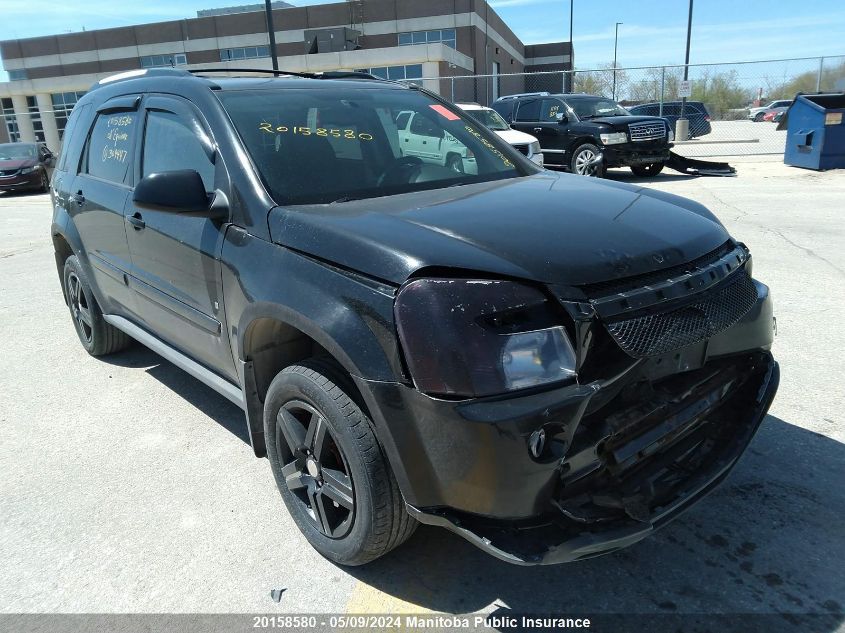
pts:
[175, 256]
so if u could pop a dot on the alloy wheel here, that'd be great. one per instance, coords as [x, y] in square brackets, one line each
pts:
[315, 469]
[80, 307]
[583, 162]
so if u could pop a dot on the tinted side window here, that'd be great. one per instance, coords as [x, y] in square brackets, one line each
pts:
[552, 110]
[73, 138]
[528, 111]
[170, 145]
[108, 153]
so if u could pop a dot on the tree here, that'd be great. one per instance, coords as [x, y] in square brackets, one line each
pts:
[807, 82]
[719, 91]
[600, 82]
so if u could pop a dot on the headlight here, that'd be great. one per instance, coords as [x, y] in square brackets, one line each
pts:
[470, 338]
[614, 138]
[671, 134]
[27, 170]
[534, 148]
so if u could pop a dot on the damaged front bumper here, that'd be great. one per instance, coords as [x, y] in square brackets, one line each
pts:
[585, 469]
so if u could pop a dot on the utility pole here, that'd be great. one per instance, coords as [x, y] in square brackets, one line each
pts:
[569, 86]
[682, 126]
[615, 43]
[271, 31]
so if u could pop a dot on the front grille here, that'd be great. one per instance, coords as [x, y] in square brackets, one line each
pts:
[663, 332]
[5, 173]
[647, 131]
[604, 288]
[523, 149]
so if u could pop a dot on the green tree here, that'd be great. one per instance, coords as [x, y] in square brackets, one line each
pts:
[600, 81]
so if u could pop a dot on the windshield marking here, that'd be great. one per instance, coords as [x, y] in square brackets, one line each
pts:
[320, 131]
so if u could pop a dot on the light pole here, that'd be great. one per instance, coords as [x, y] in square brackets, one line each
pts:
[682, 125]
[615, 44]
[572, 49]
[271, 31]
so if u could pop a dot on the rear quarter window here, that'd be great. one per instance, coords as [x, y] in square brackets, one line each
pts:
[74, 137]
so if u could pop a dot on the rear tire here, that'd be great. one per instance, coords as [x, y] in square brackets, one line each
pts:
[651, 169]
[581, 158]
[455, 163]
[97, 337]
[329, 467]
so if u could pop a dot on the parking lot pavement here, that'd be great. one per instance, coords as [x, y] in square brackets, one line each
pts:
[125, 485]
[736, 138]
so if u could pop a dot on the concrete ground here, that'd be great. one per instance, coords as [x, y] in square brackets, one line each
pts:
[127, 486]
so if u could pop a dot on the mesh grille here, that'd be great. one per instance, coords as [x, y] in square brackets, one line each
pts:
[664, 332]
[8, 172]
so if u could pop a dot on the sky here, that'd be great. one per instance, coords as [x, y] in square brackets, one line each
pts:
[653, 32]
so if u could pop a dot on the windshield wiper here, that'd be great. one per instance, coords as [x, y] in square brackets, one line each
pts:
[347, 199]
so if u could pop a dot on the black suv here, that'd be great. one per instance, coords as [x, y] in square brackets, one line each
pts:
[550, 366]
[588, 134]
[694, 111]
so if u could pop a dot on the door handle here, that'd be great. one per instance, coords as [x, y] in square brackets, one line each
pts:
[136, 221]
[77, 198]
[537, 130]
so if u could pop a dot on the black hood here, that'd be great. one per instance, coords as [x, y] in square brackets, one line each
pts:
[551, 228]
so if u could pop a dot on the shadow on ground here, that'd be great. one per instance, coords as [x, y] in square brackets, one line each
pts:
[215, 406]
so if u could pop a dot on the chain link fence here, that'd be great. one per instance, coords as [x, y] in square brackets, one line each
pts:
[727, 92]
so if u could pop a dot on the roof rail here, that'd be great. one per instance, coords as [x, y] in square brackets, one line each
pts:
[329, 74]
[524, 94]
[141, 72]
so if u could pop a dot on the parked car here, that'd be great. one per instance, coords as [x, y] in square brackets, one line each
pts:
[588, 134]
[421, 138]
[25, 166]
[550, 366]
[694, 111]
[779, 115]
[524, 143]
[772, 115]
[757, 114]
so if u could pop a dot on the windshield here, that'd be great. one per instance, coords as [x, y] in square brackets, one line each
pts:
[17, 151]
[490, 118]
[592, 107]
[325, 145]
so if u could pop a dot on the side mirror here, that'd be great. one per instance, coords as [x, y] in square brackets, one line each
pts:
[563, 119]
[176, 191]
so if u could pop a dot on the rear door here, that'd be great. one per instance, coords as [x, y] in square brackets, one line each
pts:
[98, 195]
[547, 119]
[175, 256]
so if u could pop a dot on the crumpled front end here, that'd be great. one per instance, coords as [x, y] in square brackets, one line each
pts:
[674, 378]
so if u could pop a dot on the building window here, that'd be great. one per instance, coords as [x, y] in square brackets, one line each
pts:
[10, 120]
[35, 117]
[446, 36]
[249, 52]
[397, 73]
[163, 61]
[17, 75]
[63, 103]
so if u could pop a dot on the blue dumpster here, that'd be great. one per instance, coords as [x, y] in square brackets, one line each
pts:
[815, 136]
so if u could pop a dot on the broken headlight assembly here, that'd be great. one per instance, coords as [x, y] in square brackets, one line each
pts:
[475, 337]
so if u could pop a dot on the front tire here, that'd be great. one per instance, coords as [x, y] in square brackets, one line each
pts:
[44, 186]
[97, 337]
[329, 466]
[758, 117]
[651, 169]
[582, 161]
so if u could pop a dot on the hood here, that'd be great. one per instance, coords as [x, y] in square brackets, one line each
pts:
[623, 120]
[550, 228]
[18, 163]
[515, 137]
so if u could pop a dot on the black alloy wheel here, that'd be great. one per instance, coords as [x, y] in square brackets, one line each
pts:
[80, 308]
[315, 470]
